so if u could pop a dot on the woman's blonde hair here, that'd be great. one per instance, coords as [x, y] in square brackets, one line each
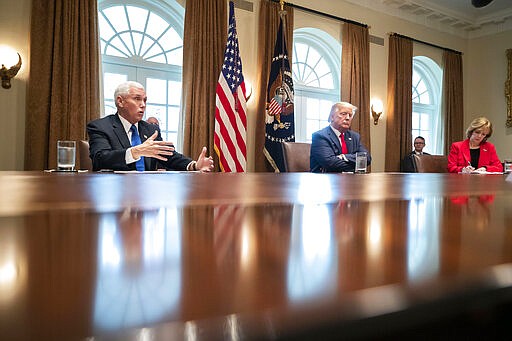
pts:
[480, 123]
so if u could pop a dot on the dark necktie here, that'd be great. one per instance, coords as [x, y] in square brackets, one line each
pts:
[139, 165]
[344, 149]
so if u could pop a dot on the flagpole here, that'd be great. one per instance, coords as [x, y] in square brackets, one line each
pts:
[282, 15]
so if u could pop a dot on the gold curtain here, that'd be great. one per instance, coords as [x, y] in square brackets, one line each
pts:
[355, 76]
[63, 91]
[203, 52]
[399, 106]
[268, 24]
[453, 99]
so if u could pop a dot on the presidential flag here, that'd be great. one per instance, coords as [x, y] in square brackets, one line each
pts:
[231, 109]
[279, 118]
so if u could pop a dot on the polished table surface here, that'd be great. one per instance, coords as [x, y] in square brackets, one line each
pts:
[193, 256]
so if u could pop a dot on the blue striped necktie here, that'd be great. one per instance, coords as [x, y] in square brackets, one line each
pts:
[139, 165]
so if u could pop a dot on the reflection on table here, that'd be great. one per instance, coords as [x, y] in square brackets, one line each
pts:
[316, 256]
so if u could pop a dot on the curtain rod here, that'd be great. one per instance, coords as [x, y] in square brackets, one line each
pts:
[424, 42]
[323, 14]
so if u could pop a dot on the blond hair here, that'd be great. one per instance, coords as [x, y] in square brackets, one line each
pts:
[480, 123]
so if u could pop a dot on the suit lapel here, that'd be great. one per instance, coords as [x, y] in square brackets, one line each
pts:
[336, 143]
[120, 133]
[466, 152]
[145, 132]
[349, 142]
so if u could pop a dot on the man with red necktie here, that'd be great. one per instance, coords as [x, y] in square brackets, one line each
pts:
[334, 148]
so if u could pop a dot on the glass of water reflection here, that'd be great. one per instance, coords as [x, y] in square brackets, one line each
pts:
[66, 155]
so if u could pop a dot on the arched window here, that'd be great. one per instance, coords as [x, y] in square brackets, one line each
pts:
[316, 79]
[143, 41]
[426, 104]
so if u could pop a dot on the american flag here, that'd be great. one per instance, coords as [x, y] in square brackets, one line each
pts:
[231, 109]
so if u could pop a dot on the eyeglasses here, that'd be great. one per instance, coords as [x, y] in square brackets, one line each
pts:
[419, 142]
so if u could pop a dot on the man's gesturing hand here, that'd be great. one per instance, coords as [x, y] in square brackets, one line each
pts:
[152, 148]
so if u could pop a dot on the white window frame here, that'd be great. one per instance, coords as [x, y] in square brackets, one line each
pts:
[330, 50]
[432, 130]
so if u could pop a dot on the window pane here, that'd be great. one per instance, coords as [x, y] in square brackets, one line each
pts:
[110, 107]
[174, 94]
[110, 83]
[312, 108]
[325, 109]
[425, 98]
[425, 122]
[157, 111]
[326, 81]
[156, 90]
[137, 17]
[313, 57]
[311, 127]
[174, 114]
[170, 39]
[117, 18]
[415, 121]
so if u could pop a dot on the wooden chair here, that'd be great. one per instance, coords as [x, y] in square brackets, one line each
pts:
[296, 156]
[431, 163]
[84, 161]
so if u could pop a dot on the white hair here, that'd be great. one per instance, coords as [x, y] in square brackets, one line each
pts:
[334, 108]
[123, 89]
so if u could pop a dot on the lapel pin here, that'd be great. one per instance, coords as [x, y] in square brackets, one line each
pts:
[145, 137]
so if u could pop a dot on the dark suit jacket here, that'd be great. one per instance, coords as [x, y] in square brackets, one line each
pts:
[408, 165]
[460, 156]
[108, 143]
[326, 148]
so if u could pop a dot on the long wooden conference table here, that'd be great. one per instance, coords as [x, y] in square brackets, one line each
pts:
[190, 256]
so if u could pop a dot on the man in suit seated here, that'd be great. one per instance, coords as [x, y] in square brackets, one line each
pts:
[408, 162]
[334, 148]
[109, 139]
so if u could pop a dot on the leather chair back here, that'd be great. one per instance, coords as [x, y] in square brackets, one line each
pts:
[84, 161]
[431, 163]
[296, 156]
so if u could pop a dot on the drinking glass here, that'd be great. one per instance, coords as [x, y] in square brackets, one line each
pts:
[507, 166]
[66, 155]
[361, 160]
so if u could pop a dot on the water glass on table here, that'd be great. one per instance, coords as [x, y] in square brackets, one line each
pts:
[66, 155]
[507, 166]
[361, 162]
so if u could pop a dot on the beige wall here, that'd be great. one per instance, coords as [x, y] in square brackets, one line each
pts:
[484, 67]
[14, 32]
[484, 92]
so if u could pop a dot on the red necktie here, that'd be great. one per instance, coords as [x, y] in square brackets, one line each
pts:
[344, 149]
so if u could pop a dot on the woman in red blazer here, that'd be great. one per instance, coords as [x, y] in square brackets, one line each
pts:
[475, 153]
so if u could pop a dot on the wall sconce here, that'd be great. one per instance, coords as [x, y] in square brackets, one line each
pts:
[248, 90]
[6, 58]
[376, 109]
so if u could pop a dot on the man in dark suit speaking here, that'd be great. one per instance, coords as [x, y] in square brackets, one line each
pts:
[334, 148]
[124, 141]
